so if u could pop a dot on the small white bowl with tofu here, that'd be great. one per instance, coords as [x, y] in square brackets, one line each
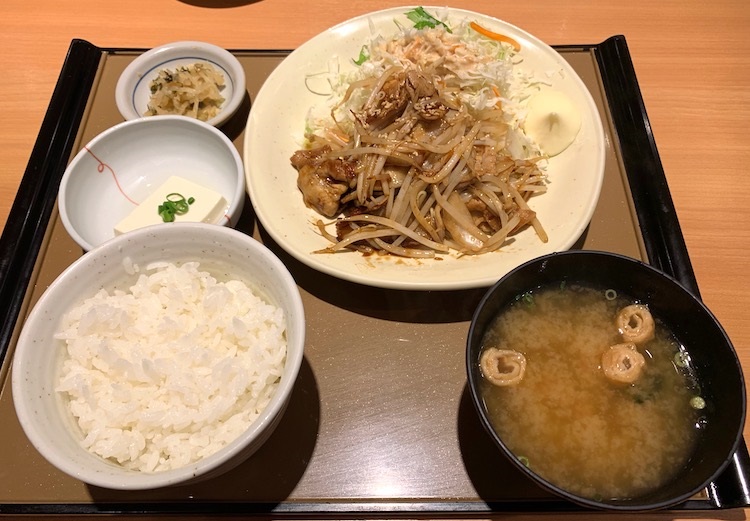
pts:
[149, 171]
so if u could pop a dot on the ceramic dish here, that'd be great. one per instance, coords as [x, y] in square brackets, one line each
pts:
[707, 362]
[276, 126]
[132, 91]
[121, 168]
[223, 252]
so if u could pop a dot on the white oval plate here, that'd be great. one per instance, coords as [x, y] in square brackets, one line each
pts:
[275, 130]
[132, 91]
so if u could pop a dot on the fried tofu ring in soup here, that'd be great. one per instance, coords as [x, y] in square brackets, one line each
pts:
[503, 367]
[623, 363]
[635, 324]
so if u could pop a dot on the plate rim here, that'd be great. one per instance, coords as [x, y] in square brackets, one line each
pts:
[307, 258]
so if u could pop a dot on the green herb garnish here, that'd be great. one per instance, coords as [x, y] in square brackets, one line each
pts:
[364, 55]
[681, 359]
[175, 204]
[422, 19]
[528, 299]
[697, 402]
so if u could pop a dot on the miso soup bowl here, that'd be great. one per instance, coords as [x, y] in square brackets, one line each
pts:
[715, 361]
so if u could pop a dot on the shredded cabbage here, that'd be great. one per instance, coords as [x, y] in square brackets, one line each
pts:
[486, 70]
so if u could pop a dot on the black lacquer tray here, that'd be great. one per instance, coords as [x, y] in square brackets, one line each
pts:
[355, 441]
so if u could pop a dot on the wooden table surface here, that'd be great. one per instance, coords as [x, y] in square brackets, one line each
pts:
[692, 60]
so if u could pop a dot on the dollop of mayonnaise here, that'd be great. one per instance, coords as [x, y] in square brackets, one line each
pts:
[552, 121]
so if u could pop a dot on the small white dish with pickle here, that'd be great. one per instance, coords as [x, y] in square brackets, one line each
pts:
[187, 78]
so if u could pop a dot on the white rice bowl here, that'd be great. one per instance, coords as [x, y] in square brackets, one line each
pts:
[100, 385]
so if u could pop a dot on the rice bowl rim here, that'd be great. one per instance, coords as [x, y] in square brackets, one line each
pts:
[120, 477]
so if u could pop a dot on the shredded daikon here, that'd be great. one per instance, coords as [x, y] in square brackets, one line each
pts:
[193, 90]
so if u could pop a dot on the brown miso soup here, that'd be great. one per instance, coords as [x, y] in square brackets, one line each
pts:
[569, 422]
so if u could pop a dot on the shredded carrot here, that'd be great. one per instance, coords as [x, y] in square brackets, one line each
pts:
[495, 36]
[336, 135]
[499, 103]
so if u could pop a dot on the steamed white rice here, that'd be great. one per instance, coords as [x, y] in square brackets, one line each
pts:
[172, 370]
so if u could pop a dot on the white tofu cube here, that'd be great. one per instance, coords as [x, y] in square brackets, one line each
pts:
[208, 206]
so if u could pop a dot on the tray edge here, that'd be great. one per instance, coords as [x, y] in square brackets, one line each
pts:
[23, 235]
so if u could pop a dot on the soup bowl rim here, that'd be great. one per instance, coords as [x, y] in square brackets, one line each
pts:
[630, 504]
